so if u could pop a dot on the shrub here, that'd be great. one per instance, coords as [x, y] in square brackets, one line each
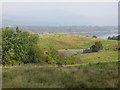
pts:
[98, 46]
[52, 56]
[94, 36]
[18, 46]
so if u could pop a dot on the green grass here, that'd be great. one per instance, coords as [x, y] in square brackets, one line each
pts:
[71, 41]
[103, 56]
[110, 44]
[65, 41]
[102, 75]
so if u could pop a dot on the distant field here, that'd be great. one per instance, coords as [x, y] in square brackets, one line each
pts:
[64, 41]
[71, 41]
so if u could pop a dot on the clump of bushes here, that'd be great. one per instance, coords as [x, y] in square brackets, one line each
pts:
[22, 47]
[19, 46]
[96, 47]
[52, 56]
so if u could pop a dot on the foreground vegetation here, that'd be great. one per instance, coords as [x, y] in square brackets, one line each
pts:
[20, 47]
[99, 75]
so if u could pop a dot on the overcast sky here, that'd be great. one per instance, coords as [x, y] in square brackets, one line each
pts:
[60, 13]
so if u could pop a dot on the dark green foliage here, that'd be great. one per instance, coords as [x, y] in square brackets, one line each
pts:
[94, 36]
[22, 47]
[98, 46]
[19, 46]
[51, 56]
[54, 54]
[109, 38]
[114, 37]
[87, 36]
[7, 45]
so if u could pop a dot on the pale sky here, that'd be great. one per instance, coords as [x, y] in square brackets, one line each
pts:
[60, 13]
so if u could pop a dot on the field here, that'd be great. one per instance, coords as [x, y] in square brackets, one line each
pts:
[66, 41]
[102, 75]
[71, 41]
[103, 56]
[91, 70]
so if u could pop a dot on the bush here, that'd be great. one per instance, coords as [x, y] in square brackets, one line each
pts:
[18, 46]
[98, 46]
[52, 56]
[94, 36]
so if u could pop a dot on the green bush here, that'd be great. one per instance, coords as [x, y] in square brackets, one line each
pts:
[52, 56]
[19, 46]
[98, 46]
[94, 36]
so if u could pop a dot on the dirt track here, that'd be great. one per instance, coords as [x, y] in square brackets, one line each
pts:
[64, 53]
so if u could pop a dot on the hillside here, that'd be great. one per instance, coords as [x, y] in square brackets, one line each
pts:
[71, 41]
[69, 47]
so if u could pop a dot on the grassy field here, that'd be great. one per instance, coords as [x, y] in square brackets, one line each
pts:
[70, 41]
[65, 41]
[102, 75]
[103, 56]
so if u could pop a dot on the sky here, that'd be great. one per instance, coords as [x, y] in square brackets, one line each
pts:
[60, 13]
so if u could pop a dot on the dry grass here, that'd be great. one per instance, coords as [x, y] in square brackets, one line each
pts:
[65, 41]
[103, 75]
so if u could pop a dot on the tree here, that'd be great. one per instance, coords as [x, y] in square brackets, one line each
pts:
[54, 54]
[7, 45]
[19, 46]
[94, 36]
[22, 47]
[109, 38]
[114, 37]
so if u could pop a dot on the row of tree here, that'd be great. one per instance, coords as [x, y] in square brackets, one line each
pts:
[114, 38]
[23, 47]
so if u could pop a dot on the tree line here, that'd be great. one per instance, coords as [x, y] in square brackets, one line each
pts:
[114, 37]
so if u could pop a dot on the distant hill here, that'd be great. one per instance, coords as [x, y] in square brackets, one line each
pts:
[71, 41]
[99, 31]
